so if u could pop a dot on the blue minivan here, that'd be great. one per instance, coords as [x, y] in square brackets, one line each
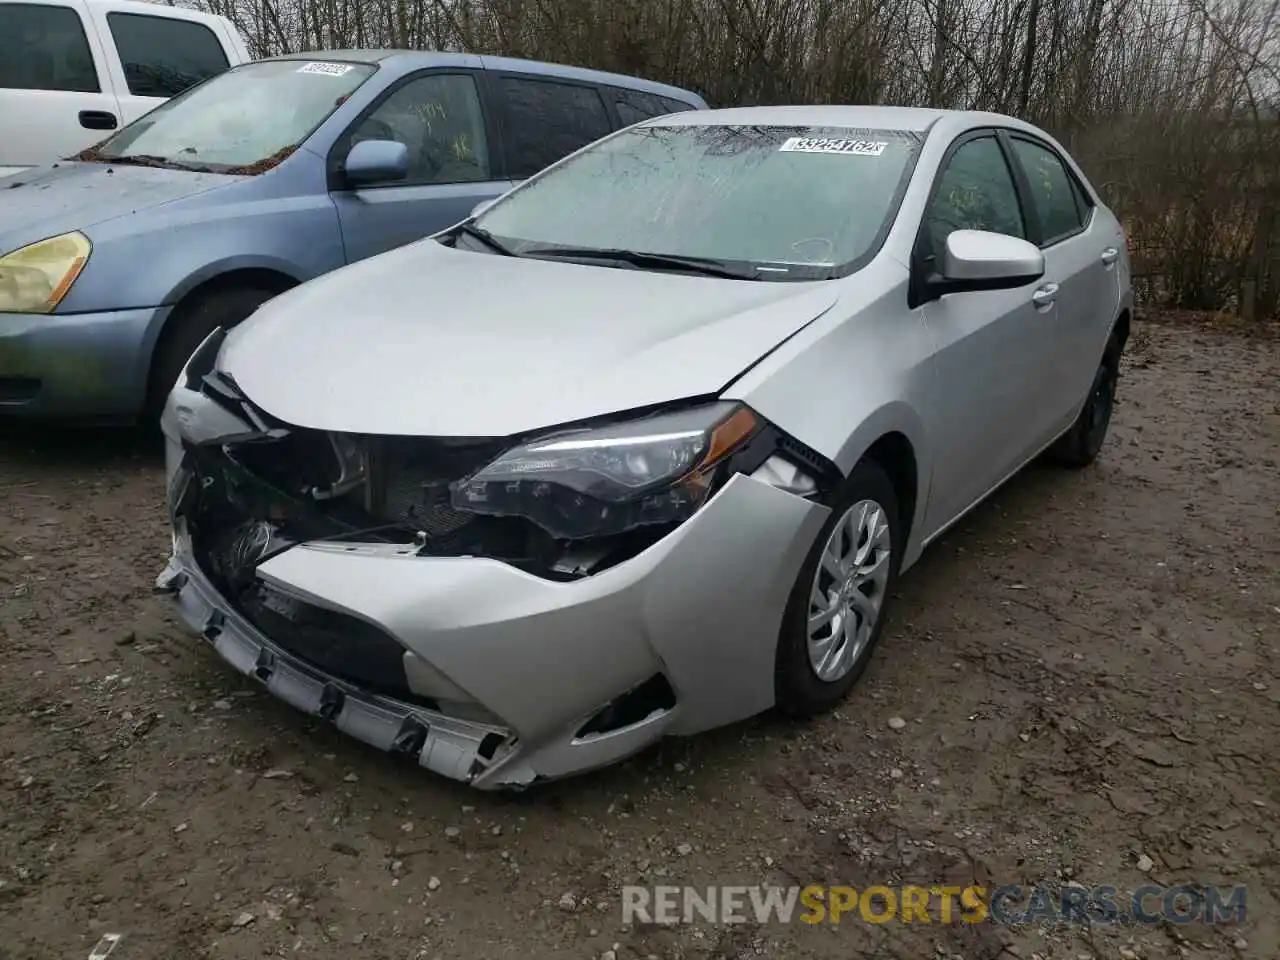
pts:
[116, 263]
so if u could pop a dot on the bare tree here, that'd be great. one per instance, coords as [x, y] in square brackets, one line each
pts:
[1173, 106]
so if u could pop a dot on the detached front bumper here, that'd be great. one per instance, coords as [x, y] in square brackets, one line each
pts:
[83, 365]
[538, 658]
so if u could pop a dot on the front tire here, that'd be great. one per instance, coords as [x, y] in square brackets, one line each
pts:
[187, 329]
[837, 608]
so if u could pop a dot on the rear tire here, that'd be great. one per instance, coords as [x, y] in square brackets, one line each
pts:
[837, 608]
[187, 328]
[1080, 445]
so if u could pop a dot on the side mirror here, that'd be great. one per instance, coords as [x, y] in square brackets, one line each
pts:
[376, 161]
[981, 260]
[482, 206]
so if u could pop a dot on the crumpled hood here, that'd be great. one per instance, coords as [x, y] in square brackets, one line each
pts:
[431, 341]
[47, 201]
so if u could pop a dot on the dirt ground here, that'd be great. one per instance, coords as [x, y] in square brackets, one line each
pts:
[1086, 667]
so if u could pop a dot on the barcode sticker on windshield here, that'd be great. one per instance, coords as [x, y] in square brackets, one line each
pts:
[326, 69]
[857, 148]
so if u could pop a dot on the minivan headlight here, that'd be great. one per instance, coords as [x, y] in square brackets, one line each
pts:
[607, 480]
[35, 278]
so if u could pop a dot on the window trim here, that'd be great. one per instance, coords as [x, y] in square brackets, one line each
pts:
[112, 15]
[95, 57]
[335, 160]
[919, 273]
[1077, 189]
[508, 169]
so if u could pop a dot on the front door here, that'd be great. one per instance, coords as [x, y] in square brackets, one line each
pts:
[991, 346]
[438, 117]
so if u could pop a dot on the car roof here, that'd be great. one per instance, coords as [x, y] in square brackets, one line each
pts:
[910, 119]
[149, 8]
[405, 61]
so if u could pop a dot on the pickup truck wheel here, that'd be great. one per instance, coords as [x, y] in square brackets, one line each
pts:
[186, 329]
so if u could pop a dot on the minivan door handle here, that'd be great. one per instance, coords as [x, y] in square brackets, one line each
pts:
[1045, 296]
[1109, 255]
[98, 120]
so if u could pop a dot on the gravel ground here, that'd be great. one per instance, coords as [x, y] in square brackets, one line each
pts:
[1086, 668]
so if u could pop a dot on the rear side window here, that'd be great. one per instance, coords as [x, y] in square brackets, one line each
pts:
[44, 48]
[1052, 190]
[163, 56]
[675, 106]
[544, 121]
[634, 105]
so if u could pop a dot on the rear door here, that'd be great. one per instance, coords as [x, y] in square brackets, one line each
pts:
[155, 57]
[55, 97]
[439, 116]
[544, 119]
[1080, 255]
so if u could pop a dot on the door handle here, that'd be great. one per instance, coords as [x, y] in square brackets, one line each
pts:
[97, 120]
[1045, 296]
[1109, 255]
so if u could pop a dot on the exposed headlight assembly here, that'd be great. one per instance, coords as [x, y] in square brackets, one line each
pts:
[35, 278]
[608, 480]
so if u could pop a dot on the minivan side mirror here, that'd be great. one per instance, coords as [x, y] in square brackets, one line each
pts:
[982, 260]
[482, 206]
[376, 161]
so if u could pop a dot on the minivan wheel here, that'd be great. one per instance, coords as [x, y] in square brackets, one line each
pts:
[187, 329]
[837, 607]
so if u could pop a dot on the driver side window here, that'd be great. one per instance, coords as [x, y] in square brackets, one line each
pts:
[975, 192]
[438, 117]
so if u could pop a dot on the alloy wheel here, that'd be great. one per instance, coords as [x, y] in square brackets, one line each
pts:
[848, 590]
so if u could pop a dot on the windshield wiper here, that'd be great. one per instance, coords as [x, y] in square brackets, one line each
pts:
[485, 237]
[707, 266]
[150, 160]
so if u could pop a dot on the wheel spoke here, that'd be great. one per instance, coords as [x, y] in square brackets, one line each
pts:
[875, 529]
[831, 561]
[868, 607]
[833, 648]
[819, 620]
[872, 569]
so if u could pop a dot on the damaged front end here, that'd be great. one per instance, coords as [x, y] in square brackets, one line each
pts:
[245, 489]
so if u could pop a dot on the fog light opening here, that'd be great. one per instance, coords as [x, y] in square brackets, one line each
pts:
[654, 696]
[489, 745]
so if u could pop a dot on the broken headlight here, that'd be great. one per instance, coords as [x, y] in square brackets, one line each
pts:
[607, 480]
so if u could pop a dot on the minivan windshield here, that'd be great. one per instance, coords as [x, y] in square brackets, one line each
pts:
[245, 120]
[762, 202]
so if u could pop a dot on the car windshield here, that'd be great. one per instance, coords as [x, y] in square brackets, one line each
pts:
[768, 202]
[245, 120]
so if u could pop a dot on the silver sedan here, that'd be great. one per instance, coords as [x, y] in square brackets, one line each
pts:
[641, 448]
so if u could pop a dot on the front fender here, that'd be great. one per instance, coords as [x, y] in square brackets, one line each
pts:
[860, 372]
[243, 261]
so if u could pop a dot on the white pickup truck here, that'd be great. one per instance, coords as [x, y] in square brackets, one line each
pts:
[71, 71]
